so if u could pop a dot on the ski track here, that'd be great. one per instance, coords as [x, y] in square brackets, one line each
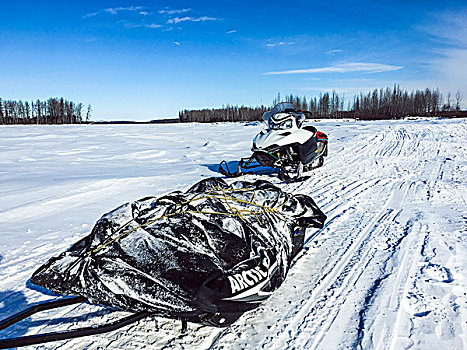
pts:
[386, 272]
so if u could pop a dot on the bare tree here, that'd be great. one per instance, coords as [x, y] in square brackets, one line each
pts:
[88, 113]
[447, 106]
[78, 112]
[52, 111]
[27, 111]
[2, 120]
[304, 104]
[458, 100]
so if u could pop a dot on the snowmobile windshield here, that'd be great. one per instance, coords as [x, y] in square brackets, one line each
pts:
[280, 124]
[279, 108]
[284, 107]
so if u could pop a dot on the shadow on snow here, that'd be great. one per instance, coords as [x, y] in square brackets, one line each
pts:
[232, 165]
[12, 302]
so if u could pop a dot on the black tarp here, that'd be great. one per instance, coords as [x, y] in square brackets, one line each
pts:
[214, 250]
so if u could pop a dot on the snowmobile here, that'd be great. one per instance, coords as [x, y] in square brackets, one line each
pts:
[287, 144]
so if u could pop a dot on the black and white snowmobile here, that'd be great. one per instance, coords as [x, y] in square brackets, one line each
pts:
[287, 144]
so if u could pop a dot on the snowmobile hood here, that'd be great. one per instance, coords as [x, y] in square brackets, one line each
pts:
[278, 138]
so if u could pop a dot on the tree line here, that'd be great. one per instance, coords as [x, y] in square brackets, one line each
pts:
[224, 114]
[384, 103]
[397, 103]
[53, 111]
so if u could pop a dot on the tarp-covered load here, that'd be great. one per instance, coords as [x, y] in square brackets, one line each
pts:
[207, 254]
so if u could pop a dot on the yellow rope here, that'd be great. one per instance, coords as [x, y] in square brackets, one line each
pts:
[223, 195]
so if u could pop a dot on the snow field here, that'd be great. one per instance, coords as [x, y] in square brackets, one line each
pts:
[388, 271]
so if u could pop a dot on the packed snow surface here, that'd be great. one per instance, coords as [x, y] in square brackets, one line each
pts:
[388, 270]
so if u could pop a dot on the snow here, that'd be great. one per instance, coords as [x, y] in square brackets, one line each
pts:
[388, 270]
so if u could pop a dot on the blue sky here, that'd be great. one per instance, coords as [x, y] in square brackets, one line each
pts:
[142, 60]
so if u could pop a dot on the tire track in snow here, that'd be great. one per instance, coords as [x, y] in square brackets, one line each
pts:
[402, 280]
[344, 278]
[373, 333]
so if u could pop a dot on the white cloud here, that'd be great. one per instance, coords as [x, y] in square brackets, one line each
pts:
[92, 14]
[343, 68]
[150, 26]
[449, 64]
[332, 52]
[450, 27]
[115, 10]
[140, 10]
[280, 43]
[346, 90]
[173, 12]
[190, 19]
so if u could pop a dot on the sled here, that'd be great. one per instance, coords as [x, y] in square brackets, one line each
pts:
[206, 255]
